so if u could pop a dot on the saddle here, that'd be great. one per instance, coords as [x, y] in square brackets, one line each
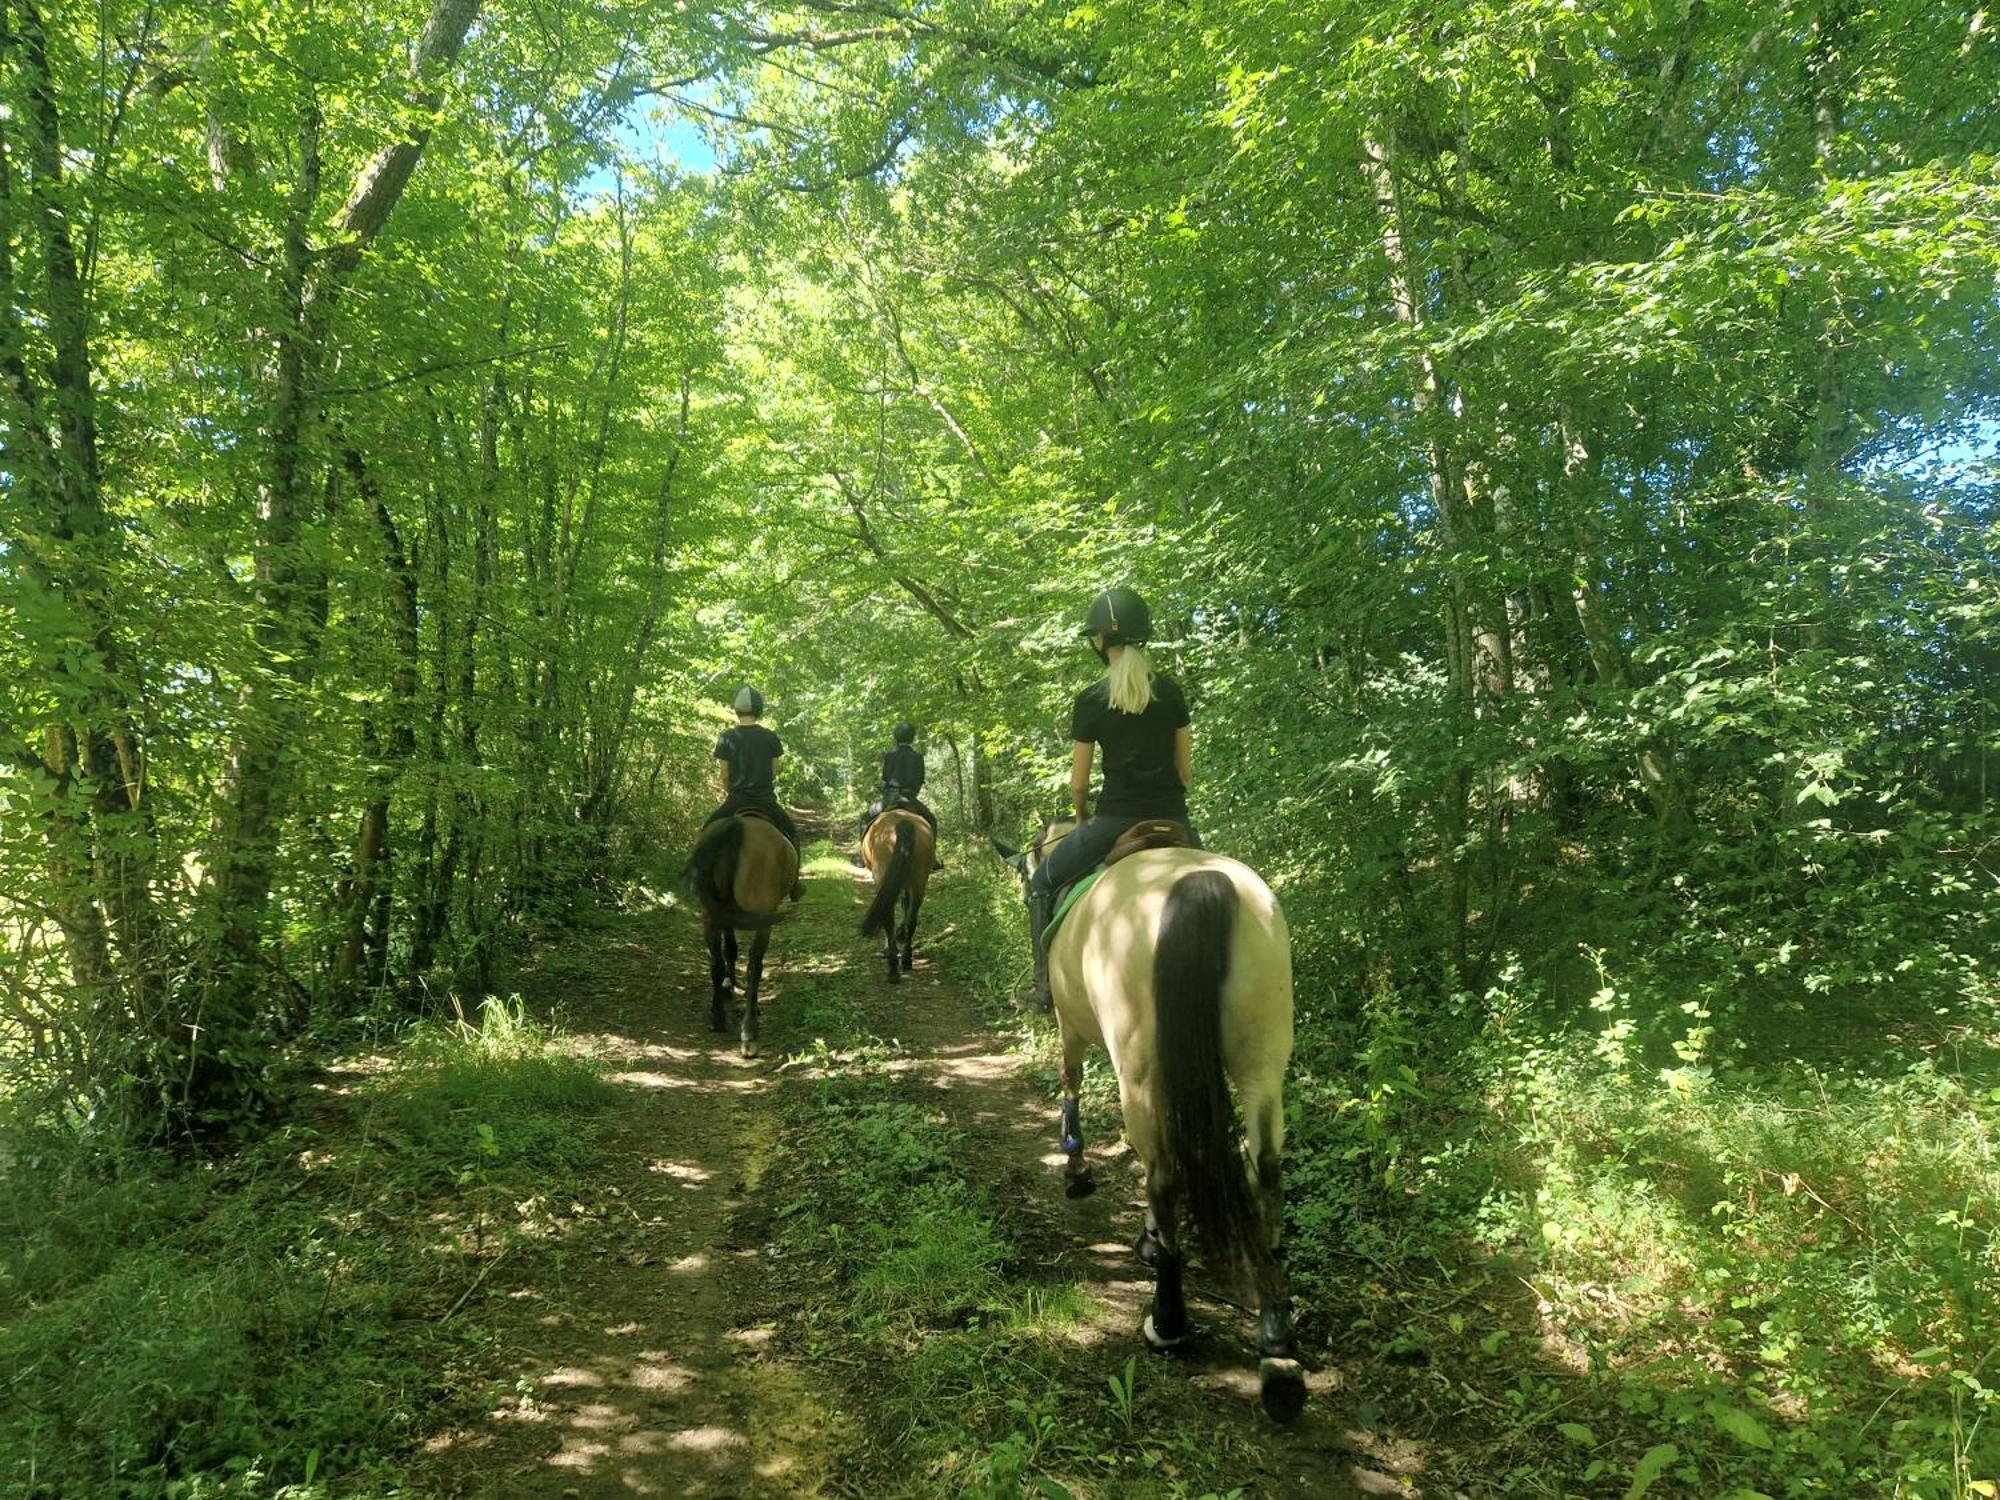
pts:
[763, 815]
[1153, 833]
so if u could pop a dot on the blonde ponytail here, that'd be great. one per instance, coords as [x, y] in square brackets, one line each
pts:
[1131, 678]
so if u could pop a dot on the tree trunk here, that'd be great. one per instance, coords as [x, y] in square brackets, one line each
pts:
[246, 830]
[101, 846]
[371, 894]
[1447, 490]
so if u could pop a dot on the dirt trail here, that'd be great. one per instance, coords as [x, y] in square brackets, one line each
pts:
[646, 1369]
[653, 1365]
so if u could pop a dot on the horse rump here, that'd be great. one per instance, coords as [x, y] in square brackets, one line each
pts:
[1198, 1126]
[711, 871]
[882, 910]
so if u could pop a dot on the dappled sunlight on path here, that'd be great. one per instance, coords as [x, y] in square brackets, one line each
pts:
[645, 1368]
[664, 1357]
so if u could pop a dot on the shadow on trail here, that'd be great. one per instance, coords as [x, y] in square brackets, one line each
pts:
[644, 1366]
[671, 1349]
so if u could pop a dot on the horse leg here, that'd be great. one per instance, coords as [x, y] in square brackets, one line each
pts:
[718, 972]
[910, 905]
[1077, 1181]
[752, 980]
[889, 948]
[1264, 1125]
[1166, 1325]
[1280, 1375]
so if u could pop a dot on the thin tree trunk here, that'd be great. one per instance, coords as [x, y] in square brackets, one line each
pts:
[241, 862]
[371, 893]
[101, 848]
[1447, 494]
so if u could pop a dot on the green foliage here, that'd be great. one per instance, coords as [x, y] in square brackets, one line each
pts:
[1556, 443]
[179, 1331]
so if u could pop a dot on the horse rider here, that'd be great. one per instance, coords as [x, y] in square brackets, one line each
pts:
[1139, 719]
[749, 754]
[902, 780]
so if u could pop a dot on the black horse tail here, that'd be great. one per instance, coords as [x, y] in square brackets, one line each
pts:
[1197, 1121]
[711, 869]
[882, 910]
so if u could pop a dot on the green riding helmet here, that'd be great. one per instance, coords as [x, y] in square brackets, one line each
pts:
[750, 701]
[906, 733]
[1121, 617]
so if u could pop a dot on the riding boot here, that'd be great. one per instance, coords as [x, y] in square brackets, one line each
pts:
[1041, 909]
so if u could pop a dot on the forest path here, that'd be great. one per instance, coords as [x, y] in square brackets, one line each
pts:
[645, 1368]
[667, 1358]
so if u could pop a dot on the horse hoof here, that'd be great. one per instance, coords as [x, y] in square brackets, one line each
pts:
[907, 962]
[717, 1022]
[1079, 1185]
[749, 1046]
[895, 975]
[1283, 1392]
[1146, 1248]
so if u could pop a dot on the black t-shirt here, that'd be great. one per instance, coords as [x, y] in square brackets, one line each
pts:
[1140, 777]
[903, 768]
[752, 752]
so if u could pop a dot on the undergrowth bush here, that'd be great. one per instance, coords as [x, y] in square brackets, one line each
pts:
[270, 1324]
[1788, 1271]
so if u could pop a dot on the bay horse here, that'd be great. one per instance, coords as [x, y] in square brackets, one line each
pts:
[1178, 963]
[898, 849]
[742, 868]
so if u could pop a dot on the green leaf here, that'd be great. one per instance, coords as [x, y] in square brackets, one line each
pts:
[1740, 1425]
[1576, 1432]
[1654, 1462]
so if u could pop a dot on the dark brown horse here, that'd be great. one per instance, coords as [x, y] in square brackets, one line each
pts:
[898, 850]
[742, 868]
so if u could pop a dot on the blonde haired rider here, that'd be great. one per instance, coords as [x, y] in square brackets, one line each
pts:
[1139, 719]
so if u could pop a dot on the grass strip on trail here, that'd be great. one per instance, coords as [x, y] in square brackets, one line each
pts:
[915, 1272]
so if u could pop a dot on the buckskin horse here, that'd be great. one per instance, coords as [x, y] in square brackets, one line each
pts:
[898, 849]
[742, 868]
[1178, 963]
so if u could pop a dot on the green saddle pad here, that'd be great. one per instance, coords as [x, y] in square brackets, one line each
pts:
[1070, 897]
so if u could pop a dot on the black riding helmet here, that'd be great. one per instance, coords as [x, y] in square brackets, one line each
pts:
[906, 732]
[1120, 616]
[750, 701]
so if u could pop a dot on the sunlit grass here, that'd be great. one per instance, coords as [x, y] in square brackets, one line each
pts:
[171, 1327]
